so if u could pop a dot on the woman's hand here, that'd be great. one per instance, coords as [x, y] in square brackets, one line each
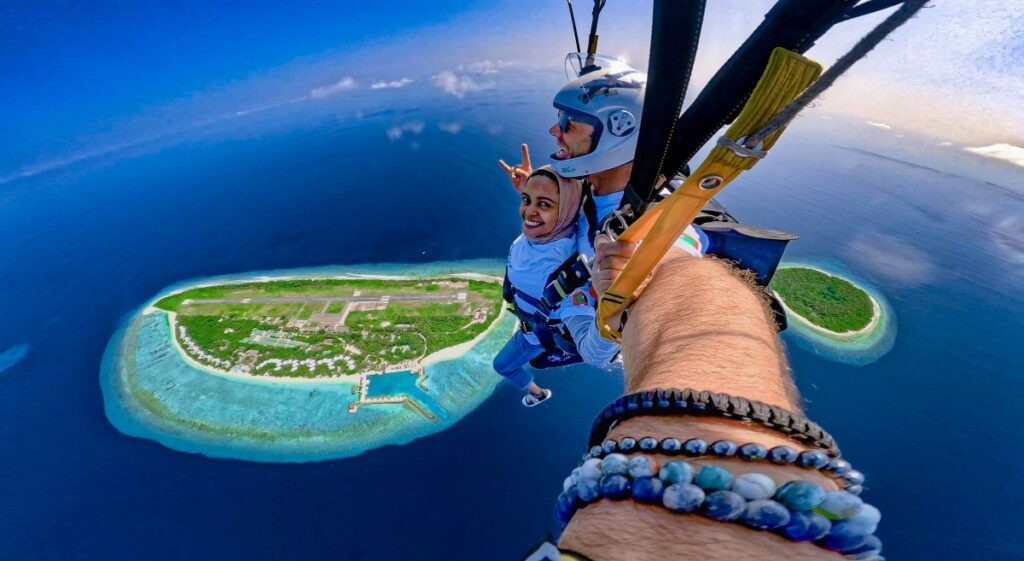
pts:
[519, 173]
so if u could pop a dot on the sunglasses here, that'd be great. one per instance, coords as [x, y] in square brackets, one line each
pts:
[565, 121]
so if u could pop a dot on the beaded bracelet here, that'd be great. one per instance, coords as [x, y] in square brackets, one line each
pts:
[837, 468]
[710, 404]
[797, 510]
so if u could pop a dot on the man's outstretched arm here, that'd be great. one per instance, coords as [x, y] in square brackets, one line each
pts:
[699, 324]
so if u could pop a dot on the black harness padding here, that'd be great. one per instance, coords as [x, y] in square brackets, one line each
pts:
[589, 207]
[572, 274]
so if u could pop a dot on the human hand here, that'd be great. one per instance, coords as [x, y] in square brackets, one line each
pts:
[610, 258]
[519, 173]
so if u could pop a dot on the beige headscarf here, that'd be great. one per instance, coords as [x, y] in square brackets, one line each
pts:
[570, 195]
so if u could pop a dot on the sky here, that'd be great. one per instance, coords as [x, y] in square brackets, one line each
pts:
[87, 78]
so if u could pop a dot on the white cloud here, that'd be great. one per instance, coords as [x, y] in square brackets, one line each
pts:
[452, 127]
[486, 66]
[255, 110]
[392, 84]
[891, 259]
[345, 84]
[1002, 151]
[396, 131]
[880, 125]
[458, 84]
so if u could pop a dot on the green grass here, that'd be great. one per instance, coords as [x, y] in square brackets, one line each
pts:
[335, 307]
[826, 301]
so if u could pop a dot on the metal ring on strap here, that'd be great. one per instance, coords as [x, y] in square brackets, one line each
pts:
[740, 149]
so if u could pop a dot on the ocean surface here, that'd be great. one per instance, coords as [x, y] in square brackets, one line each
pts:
[409, 176]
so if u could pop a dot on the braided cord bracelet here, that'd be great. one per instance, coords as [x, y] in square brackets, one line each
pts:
[687, 401]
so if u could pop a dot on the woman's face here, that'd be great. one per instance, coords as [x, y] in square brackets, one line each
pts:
[539, 206]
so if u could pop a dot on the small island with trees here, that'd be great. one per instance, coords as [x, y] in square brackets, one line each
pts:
[834, 317]
[825, 300]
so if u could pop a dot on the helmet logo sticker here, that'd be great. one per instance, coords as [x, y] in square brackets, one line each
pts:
[621, 122]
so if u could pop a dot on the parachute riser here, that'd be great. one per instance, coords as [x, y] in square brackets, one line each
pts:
[786, 76]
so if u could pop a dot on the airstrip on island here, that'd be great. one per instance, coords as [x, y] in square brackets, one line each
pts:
[296, 367]
[328, 327]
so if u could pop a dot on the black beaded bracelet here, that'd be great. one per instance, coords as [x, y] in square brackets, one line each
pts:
[711, 404]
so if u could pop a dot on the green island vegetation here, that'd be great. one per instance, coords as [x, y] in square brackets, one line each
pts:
[824, 300]
[328, 327]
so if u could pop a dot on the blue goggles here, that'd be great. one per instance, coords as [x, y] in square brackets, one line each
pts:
[565, 118]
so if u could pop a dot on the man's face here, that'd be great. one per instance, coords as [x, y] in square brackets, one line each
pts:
[574, 140]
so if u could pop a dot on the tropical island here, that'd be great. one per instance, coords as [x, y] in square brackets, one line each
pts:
[308, 365]
[825, 300]
[328, 327]
[833, 316]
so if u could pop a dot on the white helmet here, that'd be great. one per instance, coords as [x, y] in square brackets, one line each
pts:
[608, 94]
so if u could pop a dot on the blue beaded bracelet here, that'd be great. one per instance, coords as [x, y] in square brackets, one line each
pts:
[841, 470]
[797, 510]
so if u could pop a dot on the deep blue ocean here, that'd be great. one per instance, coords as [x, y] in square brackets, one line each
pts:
[410, 176]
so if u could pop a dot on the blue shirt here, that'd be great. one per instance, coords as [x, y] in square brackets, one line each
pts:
[604, 205]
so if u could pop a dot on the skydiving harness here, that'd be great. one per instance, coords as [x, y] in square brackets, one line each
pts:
[554, 336]
[784, 88]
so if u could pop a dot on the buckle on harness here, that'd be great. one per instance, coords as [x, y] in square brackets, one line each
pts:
[617, 222]
[740, 148]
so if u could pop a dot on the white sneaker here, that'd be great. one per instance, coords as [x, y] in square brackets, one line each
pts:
[530, 400]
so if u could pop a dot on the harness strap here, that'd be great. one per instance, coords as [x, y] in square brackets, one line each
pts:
[572, 274]
[786, 75]
[590, 211]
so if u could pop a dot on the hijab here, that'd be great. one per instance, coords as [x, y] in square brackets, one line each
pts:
[570, 196]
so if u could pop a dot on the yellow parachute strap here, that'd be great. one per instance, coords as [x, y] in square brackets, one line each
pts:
[785, 77]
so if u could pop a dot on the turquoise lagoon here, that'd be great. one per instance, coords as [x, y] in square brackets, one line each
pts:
[857, 350]
[151, 391]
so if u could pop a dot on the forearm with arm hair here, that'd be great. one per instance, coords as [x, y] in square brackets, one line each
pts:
[699, 325]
